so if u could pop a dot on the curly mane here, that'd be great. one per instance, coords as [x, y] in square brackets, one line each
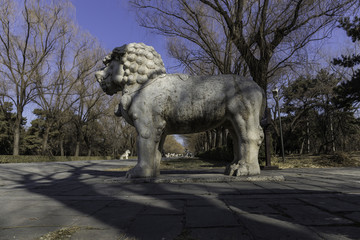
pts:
[138, 63]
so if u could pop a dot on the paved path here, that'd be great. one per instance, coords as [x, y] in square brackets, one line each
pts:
[84, 200]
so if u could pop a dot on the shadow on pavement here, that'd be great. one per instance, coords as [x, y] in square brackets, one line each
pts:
[80, 196]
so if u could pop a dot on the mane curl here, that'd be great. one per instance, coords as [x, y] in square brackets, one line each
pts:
[138, 63]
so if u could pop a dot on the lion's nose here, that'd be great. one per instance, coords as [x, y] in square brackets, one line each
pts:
[99, 75]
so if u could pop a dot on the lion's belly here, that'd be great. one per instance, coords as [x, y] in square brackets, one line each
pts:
[195, 115]
[192, 126]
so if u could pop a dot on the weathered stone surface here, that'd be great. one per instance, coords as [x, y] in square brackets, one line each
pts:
[332, 204]
[161, 207]
[156, 226]
[354, 216]
[265, 227]
[249, 210]
[338, 232]
[309, 215]
[158, 104]
[210, 217]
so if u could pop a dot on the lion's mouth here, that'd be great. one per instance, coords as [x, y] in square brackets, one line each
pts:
[108, 88]
[101, 78]
[106, 77]
[107, 85]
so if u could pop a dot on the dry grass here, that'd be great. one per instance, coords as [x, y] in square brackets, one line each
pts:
[338, 159]
[191, 164]
[182, 164]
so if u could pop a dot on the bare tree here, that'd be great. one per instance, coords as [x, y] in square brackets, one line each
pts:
[118, 136]
[56, 91]
[88, 108]
[29, 34]
[198, 37]
[265, 33]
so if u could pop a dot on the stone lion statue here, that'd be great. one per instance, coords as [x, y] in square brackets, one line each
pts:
[125, 155]
[158, 104]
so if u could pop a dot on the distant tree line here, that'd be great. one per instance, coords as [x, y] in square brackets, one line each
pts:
[322, 111]
[47, 62]
[314, 121]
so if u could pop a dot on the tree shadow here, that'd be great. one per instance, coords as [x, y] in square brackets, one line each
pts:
[100, 205]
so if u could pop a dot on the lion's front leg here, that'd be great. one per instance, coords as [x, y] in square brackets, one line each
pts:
[150, 137]
[148, 164]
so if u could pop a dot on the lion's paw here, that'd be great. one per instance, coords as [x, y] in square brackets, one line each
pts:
[139, 172]
[236, 169]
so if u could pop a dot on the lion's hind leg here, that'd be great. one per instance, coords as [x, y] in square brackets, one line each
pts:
[247, 135]
[232, 168]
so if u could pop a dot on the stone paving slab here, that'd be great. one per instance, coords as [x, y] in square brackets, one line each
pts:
[86, 200]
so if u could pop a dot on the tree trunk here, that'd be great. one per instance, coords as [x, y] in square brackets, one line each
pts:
[77, 148]
[45, 140]
[16, 139]
[17, 128]
[333, 149]
[62, 147]
[308, 135]
[213, 138]
[224, 136]
[208, 141]
[302, 146]
[218, 137]
[89, 152]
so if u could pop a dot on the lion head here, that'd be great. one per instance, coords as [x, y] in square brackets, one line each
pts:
[129, 64]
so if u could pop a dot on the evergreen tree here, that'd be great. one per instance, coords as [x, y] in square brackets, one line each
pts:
[7, 119]
[35, 133]
[33, 137]
[313, 122]
[307, 101]
[349, 92]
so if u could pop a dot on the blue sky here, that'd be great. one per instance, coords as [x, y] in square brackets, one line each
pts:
[113, 23]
